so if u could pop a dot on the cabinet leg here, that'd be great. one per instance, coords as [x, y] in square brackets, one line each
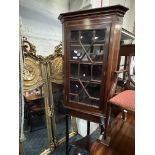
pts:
[107, 120]
[106, 137]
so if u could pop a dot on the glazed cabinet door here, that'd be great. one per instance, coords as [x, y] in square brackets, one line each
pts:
[86, 59]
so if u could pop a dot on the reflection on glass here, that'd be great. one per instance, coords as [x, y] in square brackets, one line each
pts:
[85, 71]
[75, 87]
[86, 36]
[88, 93]
[96, 53]
[100, 36]
[77, 53]
[87, 53]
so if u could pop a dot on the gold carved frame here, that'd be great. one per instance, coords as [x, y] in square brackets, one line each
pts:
[41, 71]
[34, 76]
[55, 75]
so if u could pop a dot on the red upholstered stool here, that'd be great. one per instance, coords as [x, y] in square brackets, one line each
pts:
[125, 99]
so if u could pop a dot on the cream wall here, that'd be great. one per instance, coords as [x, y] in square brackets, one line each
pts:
[40, 23]
[129, 17]
[40, 19]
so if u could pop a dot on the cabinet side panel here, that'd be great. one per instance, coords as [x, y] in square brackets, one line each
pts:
[114, 47]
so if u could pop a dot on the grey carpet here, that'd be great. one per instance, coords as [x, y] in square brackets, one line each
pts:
[37, 140]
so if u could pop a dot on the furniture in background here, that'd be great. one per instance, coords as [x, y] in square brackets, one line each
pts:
[124, 99]
[34, 106]
[128, 72]
[91, 50]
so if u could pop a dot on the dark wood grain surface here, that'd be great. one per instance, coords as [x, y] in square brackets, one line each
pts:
[122, 138]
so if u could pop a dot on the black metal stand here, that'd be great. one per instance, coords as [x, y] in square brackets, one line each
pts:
[102, 128]
[88, 128]
[67, 135]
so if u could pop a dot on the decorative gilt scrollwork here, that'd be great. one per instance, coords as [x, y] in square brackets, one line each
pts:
[47, 151]
[32, 77]
[56, 76]
[50, 114]
[28, 47]
[43, 71]
[57, 70]
[32, 74]
[29, 73]
[30, 50]
[56, 65]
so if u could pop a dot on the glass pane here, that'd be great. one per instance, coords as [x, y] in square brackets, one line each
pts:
[85, 72]
[73, 70]
[74, 36]
[97, 72]
[75, 87]
[76, 52]
[84, 98]
[93, 90]
[95, 102]
[100, 36]
[86, 36]
[97, 53]
[74, 98]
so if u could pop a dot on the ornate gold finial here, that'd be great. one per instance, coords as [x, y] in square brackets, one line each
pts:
[28, 47]
[30, 50]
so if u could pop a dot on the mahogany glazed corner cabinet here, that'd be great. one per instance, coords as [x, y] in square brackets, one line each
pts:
[91, 43]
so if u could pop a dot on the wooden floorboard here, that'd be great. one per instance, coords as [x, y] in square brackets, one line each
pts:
[122, 138]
